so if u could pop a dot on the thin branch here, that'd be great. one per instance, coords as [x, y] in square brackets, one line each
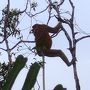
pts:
[3, 49]
[56, 8]
[43, 58]
[49, 11]
[72, 17]
[66, 21]
[68, 38]
[38, 12]
[24, 9]
[2, 40]
[21, 42]
[62, 1]
[73, 52]
[84, 37]
[72, 10]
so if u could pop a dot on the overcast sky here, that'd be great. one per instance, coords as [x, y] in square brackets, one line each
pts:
[56, 71]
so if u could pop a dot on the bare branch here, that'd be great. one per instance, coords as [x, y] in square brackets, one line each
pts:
[66, 21]
[3, 49]
[21, 42]
[62, 1]
[73, 52]
[71, 3]
[55, 7]
[68, 38]
[38, 12]
[84, 37]
[72, 15]
[2, 41]
[49, 11]
[24, 9]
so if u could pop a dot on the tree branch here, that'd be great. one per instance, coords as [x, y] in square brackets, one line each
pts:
[73, 52]
[84, 37]
[5, 31]
[3, 49]
[21, 42]
[68, 38]
[38, 12]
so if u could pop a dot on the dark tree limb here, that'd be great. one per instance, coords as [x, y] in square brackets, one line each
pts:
[84, 37]
[73, 52]
[68, 38]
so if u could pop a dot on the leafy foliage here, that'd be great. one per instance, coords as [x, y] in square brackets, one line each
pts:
[10, 21]
[4, 70]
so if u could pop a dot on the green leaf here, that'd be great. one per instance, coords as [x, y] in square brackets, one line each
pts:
[18, 65]
[31, 76]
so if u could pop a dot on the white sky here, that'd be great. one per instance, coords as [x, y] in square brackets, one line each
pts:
[56, 71]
